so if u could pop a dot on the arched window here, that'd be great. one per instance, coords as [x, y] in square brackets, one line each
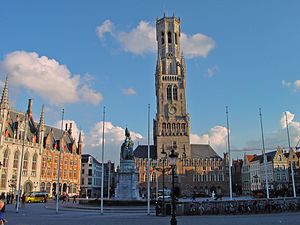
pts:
[3, 179]
[176, 41]
[16, 160]
[175, 93]
[162, 38]
[33, 166]
[5, 158]
[169, 37]
[43, 186]
[25, 164]
[48, 187]
[169, 92]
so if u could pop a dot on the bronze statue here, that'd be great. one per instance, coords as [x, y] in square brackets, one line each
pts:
[127, 147]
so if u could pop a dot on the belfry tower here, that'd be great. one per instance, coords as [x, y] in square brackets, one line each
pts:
[172, 123]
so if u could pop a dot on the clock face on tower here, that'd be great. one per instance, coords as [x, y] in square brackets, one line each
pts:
[172, 109]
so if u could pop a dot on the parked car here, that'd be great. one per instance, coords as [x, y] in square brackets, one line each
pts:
[36, 197]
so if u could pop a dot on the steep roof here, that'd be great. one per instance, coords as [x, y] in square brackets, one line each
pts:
[270, 157]
[141, 151]
[203, 151]
[250, 157]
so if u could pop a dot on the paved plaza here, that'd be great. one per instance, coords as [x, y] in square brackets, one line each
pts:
[44, 214]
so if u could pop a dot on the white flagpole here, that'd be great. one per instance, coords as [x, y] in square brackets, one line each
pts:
[264, 153]
[102, 158]
[229, 155]
[291, 158]
[59, 158]
[21, 164]
[148, 164]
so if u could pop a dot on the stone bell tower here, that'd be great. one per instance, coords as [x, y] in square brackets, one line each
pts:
[172, 123]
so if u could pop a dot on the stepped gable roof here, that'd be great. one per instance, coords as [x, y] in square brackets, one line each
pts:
[203, 151]
[56, 135]
[141, 152]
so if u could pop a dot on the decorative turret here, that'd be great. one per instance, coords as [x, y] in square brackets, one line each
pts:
[42, 120]
[41, 130]
[29, 109]
[4, 107]
[80, 141]
[4, 99]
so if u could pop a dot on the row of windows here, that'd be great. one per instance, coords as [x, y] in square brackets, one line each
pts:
[208, 177]
[169, 36]
[16, 160]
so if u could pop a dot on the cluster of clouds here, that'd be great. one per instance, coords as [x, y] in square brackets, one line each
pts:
[295, 86]
[48, 78]
[278, 137]
[142, 39]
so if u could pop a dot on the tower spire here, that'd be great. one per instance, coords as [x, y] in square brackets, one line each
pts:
[42, 120]
[4, 99]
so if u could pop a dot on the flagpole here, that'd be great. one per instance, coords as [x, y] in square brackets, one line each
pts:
[291, 158]
[229, 155]
[102, 158]
[59, 158]
[148, 164]
[21, 166]
[264, 153]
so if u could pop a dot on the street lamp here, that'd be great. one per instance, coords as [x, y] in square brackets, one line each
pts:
[172, 161]
[163, 170]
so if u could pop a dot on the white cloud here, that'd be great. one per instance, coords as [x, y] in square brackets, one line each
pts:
[106, 27]
[142, 39]
[286, 83]
[129, 91]
[212, 71]
[216, 137]
[197, 45]
[297, 84]
[139, 40]
[46, 77]
[113, 139]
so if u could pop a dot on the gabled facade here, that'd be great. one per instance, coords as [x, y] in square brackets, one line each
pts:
[41, 150]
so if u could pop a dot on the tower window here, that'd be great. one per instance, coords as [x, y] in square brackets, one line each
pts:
[170, 69]
[169, 37]
[175, 93]
[162, 38]
[169, 92]
[176, 41]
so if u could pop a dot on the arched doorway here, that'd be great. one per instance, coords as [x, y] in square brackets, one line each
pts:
[64, 187]
[28, 187]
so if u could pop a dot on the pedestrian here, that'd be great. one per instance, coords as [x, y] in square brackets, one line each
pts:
[2, 220]
[12, 198]
[74, 198]
[8, 198]
[64, 198]
[23, 199]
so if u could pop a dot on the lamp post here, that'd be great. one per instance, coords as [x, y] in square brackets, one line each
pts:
[163, 171]
[172, 160]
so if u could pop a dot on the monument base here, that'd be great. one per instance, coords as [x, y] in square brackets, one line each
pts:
[127, 184]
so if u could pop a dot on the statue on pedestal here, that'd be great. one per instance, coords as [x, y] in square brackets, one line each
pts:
[127, 147]
[127, 178]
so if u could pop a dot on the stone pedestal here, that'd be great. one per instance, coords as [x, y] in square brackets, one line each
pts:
[127, 182]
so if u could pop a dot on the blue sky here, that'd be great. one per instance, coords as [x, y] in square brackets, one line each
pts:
[248, 57]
